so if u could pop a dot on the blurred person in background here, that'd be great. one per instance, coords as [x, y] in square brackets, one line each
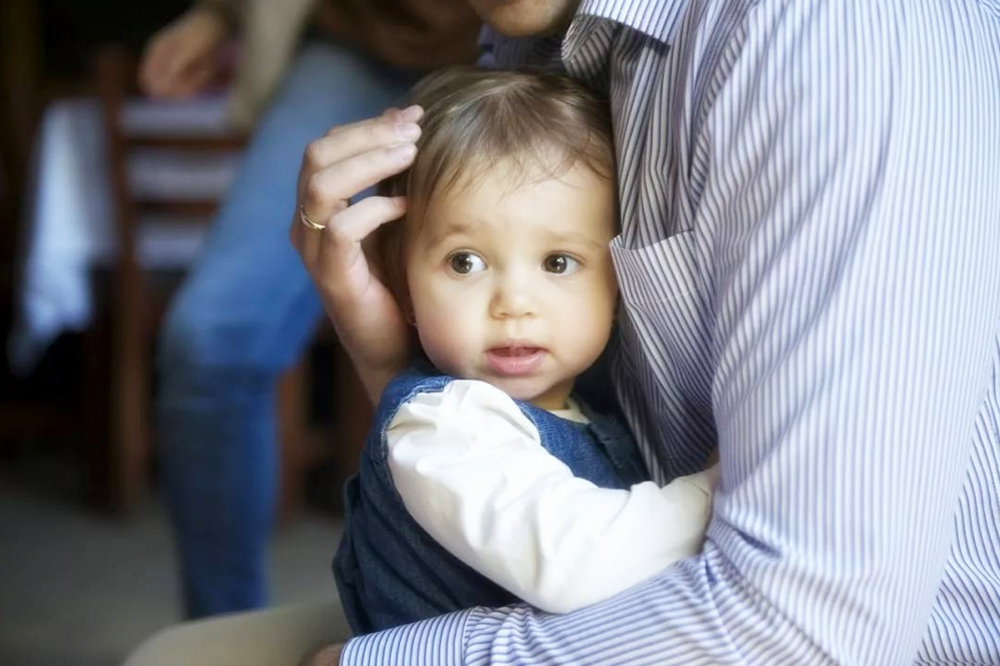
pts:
[247, 309]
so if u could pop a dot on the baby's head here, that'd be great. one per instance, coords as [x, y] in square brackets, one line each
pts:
[502, 259]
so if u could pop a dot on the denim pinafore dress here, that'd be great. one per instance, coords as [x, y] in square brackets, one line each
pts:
[389, 571]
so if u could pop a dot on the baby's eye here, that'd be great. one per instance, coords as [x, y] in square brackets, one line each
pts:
[562, 264]
[466, 263]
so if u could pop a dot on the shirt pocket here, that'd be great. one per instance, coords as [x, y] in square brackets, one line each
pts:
[665, 335]
[663, 271]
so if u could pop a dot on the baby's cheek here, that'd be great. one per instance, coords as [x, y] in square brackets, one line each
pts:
[442, 347]
[590, 332]
[431, 341]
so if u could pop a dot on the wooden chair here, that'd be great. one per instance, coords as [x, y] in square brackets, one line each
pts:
[120, 349]
[130, 301]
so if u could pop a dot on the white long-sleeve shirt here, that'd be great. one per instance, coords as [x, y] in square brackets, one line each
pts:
[471, 470]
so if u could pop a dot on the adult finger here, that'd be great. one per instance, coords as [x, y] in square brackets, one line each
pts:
[154, 64]
[392, 113]
[410, 114]
[176, 74]
[194, 79]
[346, 141]
[325, 193]
[177, 69]
[345, 232]
[343, 272]
[358, 221]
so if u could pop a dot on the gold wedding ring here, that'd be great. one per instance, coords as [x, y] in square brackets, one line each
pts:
[304, 219]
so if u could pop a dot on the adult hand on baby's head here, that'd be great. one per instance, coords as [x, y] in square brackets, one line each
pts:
[344, 162]
[181, 58]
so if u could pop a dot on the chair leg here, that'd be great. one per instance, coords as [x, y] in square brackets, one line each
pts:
[117, 403]
[97, 401]
[292, 423]
[131, 395]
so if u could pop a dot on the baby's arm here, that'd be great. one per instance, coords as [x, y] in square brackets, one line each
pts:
[472, 472]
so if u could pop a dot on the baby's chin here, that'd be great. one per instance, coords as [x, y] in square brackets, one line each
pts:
[528, 389]
[538, 389]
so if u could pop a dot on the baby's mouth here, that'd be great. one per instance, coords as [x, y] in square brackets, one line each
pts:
[515, 361]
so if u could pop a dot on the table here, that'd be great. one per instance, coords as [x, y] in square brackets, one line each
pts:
[69, 227]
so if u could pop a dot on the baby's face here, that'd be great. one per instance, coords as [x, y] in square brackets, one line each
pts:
[516, 287]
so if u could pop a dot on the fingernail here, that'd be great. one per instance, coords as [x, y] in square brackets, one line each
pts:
[408, 131]
[404, 152]
[411, 113]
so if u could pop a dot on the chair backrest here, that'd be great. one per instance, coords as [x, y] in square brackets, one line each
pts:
[169, 164]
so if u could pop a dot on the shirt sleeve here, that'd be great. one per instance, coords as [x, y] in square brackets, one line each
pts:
[846, 221]
[472, 472]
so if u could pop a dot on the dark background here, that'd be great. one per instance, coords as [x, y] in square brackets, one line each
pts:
[46, 52]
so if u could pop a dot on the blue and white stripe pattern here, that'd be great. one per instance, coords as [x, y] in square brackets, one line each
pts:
[810, 265]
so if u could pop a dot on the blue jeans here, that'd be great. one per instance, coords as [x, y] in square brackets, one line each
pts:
[243, 315]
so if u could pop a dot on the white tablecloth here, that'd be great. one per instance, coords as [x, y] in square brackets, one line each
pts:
[69, 226]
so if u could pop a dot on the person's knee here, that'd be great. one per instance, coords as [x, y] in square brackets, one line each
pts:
[199, 344]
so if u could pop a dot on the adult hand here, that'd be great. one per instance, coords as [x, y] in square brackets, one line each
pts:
[328, 655]
[182, 58]
[347, 160]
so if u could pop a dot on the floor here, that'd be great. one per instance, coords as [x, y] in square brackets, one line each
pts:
[78, 587]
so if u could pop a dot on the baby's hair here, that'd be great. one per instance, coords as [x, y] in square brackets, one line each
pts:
[475, 119]
[536, 125]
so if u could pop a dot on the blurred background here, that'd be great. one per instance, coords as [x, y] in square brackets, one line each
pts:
[104, 200]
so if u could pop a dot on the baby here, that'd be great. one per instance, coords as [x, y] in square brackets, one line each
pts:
[485, 479]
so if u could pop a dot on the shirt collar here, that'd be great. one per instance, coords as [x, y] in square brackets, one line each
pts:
[657, 19]
[654, 18]
[571, 412]
[599, 24]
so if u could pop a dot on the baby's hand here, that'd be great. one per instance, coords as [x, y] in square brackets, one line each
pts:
[346, 161]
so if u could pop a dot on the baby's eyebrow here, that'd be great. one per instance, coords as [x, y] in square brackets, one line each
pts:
[575, 237]
[451, 228]
[463, 226]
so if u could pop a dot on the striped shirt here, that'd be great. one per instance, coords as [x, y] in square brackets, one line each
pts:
[810, 270]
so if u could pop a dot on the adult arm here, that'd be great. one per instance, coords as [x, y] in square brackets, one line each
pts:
[471, 470]
[848, 214]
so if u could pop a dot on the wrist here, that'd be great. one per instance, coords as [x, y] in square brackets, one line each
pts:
[375, 375]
